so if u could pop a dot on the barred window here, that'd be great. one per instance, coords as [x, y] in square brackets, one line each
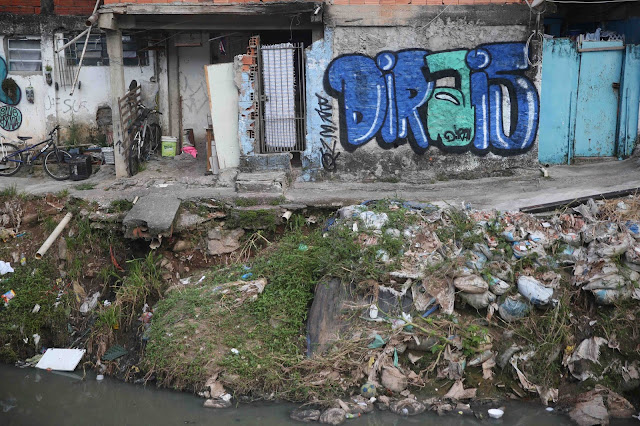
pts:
[24, 54]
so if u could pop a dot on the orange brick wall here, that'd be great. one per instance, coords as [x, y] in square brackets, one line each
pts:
[20, 6]
[73, 7]
[60, 7]
[414, 2]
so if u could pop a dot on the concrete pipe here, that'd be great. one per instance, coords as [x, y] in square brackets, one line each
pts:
[45, 246]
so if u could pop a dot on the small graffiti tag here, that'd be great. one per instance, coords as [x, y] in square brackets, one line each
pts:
[10, 118]
[328, 134]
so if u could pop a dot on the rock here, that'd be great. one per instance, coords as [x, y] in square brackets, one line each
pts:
[393, 379]
[224, 241]
[383, 403]
[181, 245]
[305, 415]
[216, 403]
[333, 416]
[407, 407]
[590, 411]
[62, 249]
[188, 221]
[471, 284]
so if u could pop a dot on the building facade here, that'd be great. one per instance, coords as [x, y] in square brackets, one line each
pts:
[357, 90]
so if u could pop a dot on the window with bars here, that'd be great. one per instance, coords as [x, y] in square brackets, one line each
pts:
[24, 54]
[96, 53]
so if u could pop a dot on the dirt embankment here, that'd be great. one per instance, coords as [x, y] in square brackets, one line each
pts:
[427, 308]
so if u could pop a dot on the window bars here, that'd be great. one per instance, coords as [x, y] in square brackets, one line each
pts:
[282, 115]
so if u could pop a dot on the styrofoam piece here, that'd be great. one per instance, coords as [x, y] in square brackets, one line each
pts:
[60, 359]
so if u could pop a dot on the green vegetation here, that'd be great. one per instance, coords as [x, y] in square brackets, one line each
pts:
[18, 322]
[119, 206]
[85, 186]
[253, 219]
[194, 329]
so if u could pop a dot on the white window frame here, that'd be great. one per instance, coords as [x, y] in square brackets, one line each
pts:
[9, 49]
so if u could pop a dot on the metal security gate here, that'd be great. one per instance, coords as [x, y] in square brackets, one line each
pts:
[282, 98]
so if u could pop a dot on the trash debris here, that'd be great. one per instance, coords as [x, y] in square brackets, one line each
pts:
[368, 390]
[5, 267]
[407, 407]
[471, 284]
[495, 413]
[60, 359]
[90, 303]
[512, 309]
[8, 296]
[458, 391]
[534, 291]
[36, 309]
[478, 301]
[586, 353]
[333, 416]
[306, 416]
[113, 353]
[377, 342]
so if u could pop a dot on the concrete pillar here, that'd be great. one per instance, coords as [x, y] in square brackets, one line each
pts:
[116, 71]
[173, 81]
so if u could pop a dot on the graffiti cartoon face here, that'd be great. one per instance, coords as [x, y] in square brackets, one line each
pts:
[449, 120]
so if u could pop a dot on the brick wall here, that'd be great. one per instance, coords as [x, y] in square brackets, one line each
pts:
[414, 2]
[22, 6]
[60, 7]
[73, 7]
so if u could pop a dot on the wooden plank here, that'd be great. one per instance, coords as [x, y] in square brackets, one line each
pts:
[541, 208]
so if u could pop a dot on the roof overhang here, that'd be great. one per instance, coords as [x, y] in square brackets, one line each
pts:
[249, 16]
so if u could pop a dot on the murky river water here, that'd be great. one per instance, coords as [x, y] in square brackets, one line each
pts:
[36, 397]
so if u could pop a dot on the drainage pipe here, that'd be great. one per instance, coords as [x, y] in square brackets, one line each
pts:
[56, 232]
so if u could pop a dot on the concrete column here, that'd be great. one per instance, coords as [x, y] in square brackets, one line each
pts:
[173, 81]
[116, 71]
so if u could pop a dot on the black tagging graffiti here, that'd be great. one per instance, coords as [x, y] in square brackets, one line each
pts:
[328, 134]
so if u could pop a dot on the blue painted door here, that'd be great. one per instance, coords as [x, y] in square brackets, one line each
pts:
[598, 100]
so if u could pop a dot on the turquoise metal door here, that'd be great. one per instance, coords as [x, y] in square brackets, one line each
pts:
[598, 99]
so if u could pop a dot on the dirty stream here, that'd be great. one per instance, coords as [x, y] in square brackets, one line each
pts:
[30, 396]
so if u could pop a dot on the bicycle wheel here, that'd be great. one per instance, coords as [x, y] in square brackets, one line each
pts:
[145, 149]
[134, 161]
[56, 164]
[156, 135]
[10, 159]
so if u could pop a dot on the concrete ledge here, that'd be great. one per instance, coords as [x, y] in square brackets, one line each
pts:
[265, 162]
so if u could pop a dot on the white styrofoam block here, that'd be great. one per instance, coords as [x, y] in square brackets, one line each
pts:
[61, 359]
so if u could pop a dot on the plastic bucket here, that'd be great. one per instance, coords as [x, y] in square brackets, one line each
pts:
[169, 146]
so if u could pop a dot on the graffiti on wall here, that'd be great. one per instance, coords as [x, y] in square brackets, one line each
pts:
[10, 116]
[328, 134]
[451, 99]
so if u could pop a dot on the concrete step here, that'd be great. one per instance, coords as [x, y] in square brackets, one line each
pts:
[151, 217]
[265, 182]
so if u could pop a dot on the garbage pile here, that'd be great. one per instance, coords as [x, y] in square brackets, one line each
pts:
[504, 265]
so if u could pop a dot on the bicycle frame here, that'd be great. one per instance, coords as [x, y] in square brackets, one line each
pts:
[49, 141]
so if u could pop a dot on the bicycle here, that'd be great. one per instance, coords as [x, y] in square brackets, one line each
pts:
[146, 139]
[56, 160]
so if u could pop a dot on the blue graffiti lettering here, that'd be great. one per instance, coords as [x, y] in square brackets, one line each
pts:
[394, 97]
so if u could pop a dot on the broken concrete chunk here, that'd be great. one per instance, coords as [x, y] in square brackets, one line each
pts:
[393, 379]
[333, 416]
[224, 241]
[305, 416]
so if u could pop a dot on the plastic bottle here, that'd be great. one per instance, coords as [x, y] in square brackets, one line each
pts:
[23, 259]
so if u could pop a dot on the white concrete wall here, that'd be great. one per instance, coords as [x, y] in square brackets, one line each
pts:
[51, 106]
[193, 86]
